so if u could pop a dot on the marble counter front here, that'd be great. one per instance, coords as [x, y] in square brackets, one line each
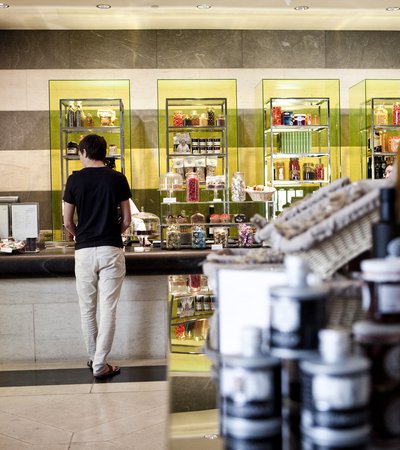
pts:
[39, 311]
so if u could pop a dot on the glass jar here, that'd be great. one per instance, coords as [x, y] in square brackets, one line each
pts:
[380, 115]
[194, 282]
[187, 120]
[396, 114]
[238, 187]
[177, 119]
[381, 292]
[294, 169]
[319, 172]
[197, 218]
[192, 187]
[245, 237]
[280, 171]
[210, 117]
[221, 120]
[195, 119]
[276, 115]
[198, 236]
[173, 238]
[221, 236]
[203, 120]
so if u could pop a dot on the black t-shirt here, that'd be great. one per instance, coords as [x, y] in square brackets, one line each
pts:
[96, 192]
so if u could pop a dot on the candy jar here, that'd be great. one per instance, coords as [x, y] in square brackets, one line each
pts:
[198, 236]
[380, 115]
[195, 119]
[192, 187]
[221, 236]
[294, 169]
[173, 238]
[245, 236]
[177, 119]
[187, 120]
[238, 187]
[396, 113]
[210, 117]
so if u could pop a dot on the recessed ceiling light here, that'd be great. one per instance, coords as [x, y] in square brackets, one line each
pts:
[203, 6]
[4, 5]
[393, 8]
[103, 6]
[301, 8]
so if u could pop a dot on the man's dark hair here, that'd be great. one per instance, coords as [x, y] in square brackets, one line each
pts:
[95, 146]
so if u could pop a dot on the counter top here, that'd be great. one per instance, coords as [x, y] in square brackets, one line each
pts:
[59, 262]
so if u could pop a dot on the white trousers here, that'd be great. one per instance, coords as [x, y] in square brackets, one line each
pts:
[99, 273]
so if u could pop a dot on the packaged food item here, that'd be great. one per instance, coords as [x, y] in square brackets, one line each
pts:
[203, 120]
[195, 119]
[221, 236]
[211, 165]
[187, 120]
[107, 117]
[182, 142]
[221, 121]
[276, 115]
[245, 236]
[200, 168]
[210, 117]
[394, 144]
[294, 169]
[177, 166]
[188, 164]
[396, 114]
[173, 238]
[380, 115]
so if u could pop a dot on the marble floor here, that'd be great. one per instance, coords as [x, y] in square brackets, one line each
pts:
[60, 407]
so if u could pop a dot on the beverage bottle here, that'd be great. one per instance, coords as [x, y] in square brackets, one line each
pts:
[211, 211]
[387, 228]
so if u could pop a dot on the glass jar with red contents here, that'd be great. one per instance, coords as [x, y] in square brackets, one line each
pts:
[177, 119]
[294, 169]
[192, 187]
[396, 113]
[194, 282]
[276, 115]
[319, 172]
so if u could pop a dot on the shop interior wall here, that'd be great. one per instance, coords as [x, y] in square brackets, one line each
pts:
[31, 58]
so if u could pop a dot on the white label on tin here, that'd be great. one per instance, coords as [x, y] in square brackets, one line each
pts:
[391, 363]
[246, 385]
[389, 298]
[340, 393]
[285, 315]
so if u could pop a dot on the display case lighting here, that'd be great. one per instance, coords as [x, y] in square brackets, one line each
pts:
[103, 6]
[4, 5]
[301, 8]
[203, 6]
[393, 8]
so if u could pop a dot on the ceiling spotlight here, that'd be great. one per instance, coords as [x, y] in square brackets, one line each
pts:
[203, 6]
[301, 8]
[393, 8]
[4, 5]
[103, 6]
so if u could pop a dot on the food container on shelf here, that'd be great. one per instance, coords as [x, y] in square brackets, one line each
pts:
[72, 148]
[192, 187]
[170, 181]
[145, 224]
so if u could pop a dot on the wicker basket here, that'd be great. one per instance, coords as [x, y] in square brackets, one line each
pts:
[333, 253]
[261, 196]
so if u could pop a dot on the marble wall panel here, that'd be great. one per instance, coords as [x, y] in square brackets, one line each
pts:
[141, 330]
[34, 49]
[16, 335]
[27, 170]
[144, 128]
[113, 49]
[283, 48]
[24, 130]
[362, 49]
[199, 48]
[14, 97]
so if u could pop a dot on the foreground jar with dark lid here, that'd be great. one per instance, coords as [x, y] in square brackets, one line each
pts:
[335, 393]
[298, 312]
[381, 293]
[380, 343]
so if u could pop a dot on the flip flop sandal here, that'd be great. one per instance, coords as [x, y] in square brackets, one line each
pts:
[112, 371]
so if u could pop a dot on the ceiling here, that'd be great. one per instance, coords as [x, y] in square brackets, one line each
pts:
[183, 14]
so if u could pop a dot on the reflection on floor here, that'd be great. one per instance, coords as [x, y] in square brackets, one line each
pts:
[60, 407]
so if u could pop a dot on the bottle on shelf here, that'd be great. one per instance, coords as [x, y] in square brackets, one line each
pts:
[210, 230]
[70, 115]
[79, 115]
[294, 169]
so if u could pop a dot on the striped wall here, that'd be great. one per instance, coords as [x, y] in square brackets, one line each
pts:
[29, 59]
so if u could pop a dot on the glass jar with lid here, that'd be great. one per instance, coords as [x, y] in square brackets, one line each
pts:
[220, 120]
[198, 236]
[145, 225]
[173, 238]
[197, 218]
[187, 120]
[238, 187]
[380, 115]
[192, 187]
[195, 119]
[210, 117]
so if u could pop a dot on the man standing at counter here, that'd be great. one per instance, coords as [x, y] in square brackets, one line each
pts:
[100, 196]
